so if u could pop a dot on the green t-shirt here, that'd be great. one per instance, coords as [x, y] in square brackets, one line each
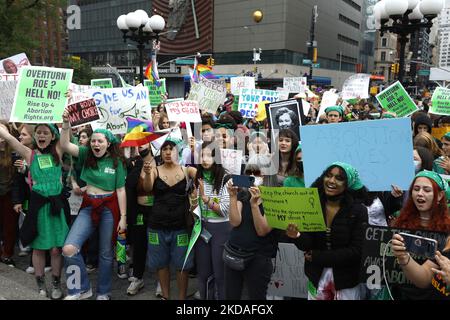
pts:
[105, 177]
[294, 182]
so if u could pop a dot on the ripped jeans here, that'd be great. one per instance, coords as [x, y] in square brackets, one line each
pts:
[75, 268]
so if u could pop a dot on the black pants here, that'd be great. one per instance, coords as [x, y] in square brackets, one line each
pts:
[256, 277]
[139, 243]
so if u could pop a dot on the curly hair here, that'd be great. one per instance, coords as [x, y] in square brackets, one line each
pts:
[291, 114]
[410, 218]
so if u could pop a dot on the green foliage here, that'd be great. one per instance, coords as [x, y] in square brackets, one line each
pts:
[82, 72]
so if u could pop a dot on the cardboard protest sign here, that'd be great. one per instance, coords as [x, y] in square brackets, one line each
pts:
[82, 112]
[209, 95]
[283, 94]
[7, 92]
[300, 206]
[288, 278]
[381, 151]
[231, 160]
[183, 111]
[12, 65]
[40, 95]
[440, 101]
[238, 83]
[357, 86]
[376, 246]
[295, 84]
[116, 104]
[155, 91]
[80, 92]
[250, 98]
[102, 83]
[395, 99]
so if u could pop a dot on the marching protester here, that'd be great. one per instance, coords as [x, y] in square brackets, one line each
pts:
[334, 114]
[104, 205]
[332, 258]
[46, 224]
[170, 220]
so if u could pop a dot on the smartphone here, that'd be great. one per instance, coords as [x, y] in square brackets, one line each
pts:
[421, 246]
[243, 181]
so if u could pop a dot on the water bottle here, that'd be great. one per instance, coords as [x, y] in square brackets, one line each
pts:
[121, 255]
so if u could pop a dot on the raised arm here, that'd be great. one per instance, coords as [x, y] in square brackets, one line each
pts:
[66, 145]
[235, 213]
[148, 175]
[24, 151]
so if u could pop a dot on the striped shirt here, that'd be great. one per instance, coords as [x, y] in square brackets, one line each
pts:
[223, 199]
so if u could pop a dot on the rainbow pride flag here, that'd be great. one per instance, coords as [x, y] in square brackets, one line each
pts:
[151, 72]
[139, 132]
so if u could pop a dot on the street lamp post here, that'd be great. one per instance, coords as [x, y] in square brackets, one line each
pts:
[138, 27]
[407, 17]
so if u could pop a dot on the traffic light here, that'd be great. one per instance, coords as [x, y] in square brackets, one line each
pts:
[397, 67]
[394, 68]
[314, 55]
[210, 62]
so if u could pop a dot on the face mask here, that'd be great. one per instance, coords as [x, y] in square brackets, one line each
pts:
[258, 181]
[417, 165]
[144, 153]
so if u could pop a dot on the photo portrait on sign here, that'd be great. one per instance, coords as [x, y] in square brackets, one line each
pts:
[285, 115]
[13, 64]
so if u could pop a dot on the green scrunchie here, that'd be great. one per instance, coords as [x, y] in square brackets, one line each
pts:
[443, 185]
[335, 108]
[353, 180]
[108, 134]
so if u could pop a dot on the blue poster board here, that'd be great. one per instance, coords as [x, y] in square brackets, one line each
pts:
[381, 151]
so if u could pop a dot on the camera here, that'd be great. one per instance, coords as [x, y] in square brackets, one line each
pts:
[420, 246]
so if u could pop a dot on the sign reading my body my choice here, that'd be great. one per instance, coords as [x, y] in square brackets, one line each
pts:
[40, 95]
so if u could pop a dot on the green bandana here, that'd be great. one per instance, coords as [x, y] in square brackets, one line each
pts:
[353, 180]
[53, 128]
[108, 134]
[335, 108]
[447, 136]
[208, 176]
[443, 185]
[387, 116]
[224, 125]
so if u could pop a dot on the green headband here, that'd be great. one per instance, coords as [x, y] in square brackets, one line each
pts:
[353, 180]
[335, 108]
[52, 127]
[108, 134]
[443, 185]
[224, 125]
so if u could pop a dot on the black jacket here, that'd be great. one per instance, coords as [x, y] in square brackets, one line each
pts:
[20, 190]
[347, 233]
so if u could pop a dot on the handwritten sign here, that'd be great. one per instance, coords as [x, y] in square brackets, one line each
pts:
[375, 244]
[283, 94]
[440, 102]
[357, 86]
[231, 160]
[11, 66]
[295, 84]
[209, 95]
[183, 111]
[102, 83]
[250, 98]
[116, 104]
[155, 91]
[238, 83]
[7, 92]
[40, 95]
[329, 99]
[381, 151]
[74, 203]
[82, 112]
[288, 278]
[395, 99]
[300, 206]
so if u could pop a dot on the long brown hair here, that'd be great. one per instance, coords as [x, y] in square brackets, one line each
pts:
[426, 140]
[410, 218]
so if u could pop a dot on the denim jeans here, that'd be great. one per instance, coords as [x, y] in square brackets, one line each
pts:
[81, 230]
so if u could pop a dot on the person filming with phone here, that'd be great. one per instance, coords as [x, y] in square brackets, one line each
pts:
[426, 209]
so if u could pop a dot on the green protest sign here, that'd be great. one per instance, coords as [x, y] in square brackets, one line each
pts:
[440, 102]
[155, 92]
[195, 233]
[300, 206]
[40, 95]
[102, 83]
[395, 99]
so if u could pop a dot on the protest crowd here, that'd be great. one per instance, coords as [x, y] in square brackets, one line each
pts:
[232, 184]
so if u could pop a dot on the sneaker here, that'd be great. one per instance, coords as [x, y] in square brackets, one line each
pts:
[42, 289]
[122, 271]
[30, 270]
[103, 297]
[48, 269]
[9, 262]
[135, 286]
[90, 268]
[158, 292]
[79, 296]
[56, 289]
